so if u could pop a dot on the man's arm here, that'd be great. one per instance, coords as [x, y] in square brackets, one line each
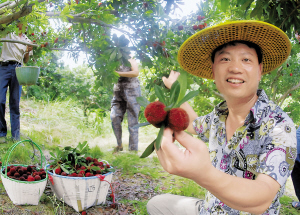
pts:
[134, 70]
[26, 56]
[254, 196]
[192, 114]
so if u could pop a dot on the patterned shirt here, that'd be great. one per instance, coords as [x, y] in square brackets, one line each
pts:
[266, 143]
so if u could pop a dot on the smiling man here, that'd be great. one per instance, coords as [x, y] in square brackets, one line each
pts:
[251, 141]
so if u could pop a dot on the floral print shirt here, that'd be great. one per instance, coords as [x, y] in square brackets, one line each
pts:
[266, 143]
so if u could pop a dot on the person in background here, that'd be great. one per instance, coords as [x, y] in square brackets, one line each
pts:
[247, 144]
[125, 93]
[12, 56]
[296, 172]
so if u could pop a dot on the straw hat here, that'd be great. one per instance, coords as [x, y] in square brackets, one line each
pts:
[194, 55]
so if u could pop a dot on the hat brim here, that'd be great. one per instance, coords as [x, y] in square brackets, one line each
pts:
[194, 55]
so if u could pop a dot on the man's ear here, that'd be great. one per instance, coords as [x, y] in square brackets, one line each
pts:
[260, 71]
[213, 72]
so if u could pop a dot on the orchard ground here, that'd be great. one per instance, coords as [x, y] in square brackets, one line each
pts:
[62, 124]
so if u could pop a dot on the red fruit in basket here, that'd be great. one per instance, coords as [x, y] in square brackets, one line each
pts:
[107, 166]
[43, 176]
[22, 178]
[88, 159]
[28, 173]
[17, 175]
[64, 174]
[95, 160]
[35, 173]
[82, 167]
[58, 171]
[25, 176]
[89, 174]
[30, 178]
[17, 168]
[37, 178]
[98, 172]
[42, 169]
[8, 174]
[20, 171]
[82, 172]
[83, 213]
[29, 168]
[8, 168]
[155, 113]
[43, 173]
[74, 174]
[100, 163]
[178, 119]
[80, 175]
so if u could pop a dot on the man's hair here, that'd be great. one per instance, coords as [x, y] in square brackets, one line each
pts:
[233, 43]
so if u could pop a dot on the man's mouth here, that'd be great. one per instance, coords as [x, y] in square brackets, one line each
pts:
[235, 81]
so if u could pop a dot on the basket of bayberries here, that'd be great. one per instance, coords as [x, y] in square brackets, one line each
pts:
[24, 184]
[79, 179]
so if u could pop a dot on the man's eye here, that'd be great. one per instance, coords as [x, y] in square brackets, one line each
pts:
[224, 59]
[246, 59]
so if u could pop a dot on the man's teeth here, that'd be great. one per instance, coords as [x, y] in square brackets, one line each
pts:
[235, 81]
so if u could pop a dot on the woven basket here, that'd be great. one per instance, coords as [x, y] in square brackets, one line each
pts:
[23, 192]
[80, 192]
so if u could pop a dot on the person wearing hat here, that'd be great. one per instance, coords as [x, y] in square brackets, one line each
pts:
[12, 55]
[251, 141]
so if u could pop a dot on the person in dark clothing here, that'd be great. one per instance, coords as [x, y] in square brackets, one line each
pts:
[125, 93]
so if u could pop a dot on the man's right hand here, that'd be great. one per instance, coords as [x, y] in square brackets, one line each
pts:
[171, 79]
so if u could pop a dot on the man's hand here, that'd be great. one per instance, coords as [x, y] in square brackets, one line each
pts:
[29, 48]
[193, 163]
[171, 79]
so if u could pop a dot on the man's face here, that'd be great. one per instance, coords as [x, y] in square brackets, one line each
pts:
[237, 72]
[20, 25]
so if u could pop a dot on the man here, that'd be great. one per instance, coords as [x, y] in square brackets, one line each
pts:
[125, 93]
[248, 136]
[12, 55]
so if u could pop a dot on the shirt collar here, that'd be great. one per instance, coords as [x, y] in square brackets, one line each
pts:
[261, 103]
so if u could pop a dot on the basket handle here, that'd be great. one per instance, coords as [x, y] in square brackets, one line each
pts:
[10, 150]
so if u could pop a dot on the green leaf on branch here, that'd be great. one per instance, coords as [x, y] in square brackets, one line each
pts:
[141, 124]
[174, 93]
[142, 101]
[159, 137]
[159, 93]
[187, 97]
[148, 150]
[182, 79]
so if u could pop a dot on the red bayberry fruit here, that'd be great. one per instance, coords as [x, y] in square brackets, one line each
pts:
[82, 167]
[180, 27]
[195, 27]
[82, 172]
[8, 174]
[41, 170]
[58, 171]
[80, 175]
[83, 213]
[201, 26]
[30, 178]
[32, 34]
[74, 174]
[95, 160]
[88, 159]
[17, 175]
[56, 39]
[12, 170]
[64, 174]
[100, 163]
[25, 176]
[37, 178]
[89, 174]
[107, 166]
[22, 178]
[178, 119]
[155, 113]
[291, 74]
[199, 18]
[35, 173]
[99, 4]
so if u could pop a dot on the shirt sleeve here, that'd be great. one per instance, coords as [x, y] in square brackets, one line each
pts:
[279, 151]
[202, 125]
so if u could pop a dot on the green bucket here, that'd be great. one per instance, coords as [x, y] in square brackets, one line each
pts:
[27, 75]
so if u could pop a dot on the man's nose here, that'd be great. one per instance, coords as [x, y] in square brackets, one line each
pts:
[235, 67]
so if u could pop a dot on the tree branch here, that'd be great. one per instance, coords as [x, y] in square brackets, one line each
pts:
[18, 41]
[282, 98]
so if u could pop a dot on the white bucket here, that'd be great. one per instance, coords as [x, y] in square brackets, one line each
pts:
[80, 192]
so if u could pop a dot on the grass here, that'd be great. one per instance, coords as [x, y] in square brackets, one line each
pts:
[61, 123]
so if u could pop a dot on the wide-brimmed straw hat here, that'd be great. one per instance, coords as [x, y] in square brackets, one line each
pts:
[194, 55]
